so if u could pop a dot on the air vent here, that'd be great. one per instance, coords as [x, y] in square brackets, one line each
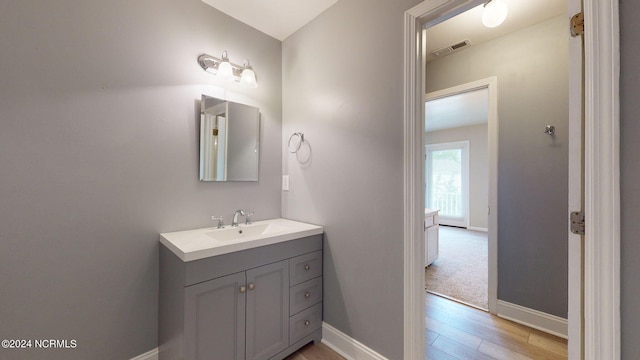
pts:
[451, 48]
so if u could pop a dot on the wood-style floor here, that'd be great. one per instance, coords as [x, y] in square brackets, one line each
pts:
[315, 352]
[457, 332]
[460, 332]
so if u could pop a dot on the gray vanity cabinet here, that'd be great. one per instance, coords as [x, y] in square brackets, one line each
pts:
[215, 319]
[216, 312]
[257, 304]
[267, 331]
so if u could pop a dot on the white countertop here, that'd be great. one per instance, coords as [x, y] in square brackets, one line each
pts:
[430, 212]
[197, 244]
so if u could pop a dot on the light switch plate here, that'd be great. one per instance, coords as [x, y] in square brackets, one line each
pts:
[285, 182]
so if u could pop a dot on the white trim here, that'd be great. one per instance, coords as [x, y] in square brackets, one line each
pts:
[602, 181]
[346, 346]
[149, 355]
[480, 229]
[575, 284]
[542, 321]
[462, 88]
[414, 61]
[414, 333]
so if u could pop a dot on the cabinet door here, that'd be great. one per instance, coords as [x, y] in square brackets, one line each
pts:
[267, 310]
[215, 319]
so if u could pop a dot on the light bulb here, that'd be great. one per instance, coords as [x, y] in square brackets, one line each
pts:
[225, 70]
[495, 12]
[248, 77]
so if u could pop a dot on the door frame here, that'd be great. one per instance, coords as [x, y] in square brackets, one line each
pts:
[491, 84]
[601, 325]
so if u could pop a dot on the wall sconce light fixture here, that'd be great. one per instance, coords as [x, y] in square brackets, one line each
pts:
[494, 14]
[223, 69]
[248, 77]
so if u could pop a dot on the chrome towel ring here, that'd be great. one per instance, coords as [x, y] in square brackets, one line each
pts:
[295, 147]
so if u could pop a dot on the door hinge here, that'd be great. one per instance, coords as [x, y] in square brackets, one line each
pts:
[577, 222]
[577, 24]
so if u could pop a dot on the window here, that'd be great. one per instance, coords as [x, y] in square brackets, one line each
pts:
[447, 181]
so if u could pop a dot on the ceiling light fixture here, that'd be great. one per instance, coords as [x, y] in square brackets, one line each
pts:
[495, 12]
[223, 69]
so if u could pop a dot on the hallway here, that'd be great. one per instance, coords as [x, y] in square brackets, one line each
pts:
[459, 332]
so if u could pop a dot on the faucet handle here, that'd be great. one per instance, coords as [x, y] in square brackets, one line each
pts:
[220, 221]
[247, 217]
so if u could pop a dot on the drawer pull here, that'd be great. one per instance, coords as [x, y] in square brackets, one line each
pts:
[307, 267]
[307, 323]
[243, 289]
[307, 294]
[252, 286]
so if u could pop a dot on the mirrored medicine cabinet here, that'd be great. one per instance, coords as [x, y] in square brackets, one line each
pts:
[229, 141]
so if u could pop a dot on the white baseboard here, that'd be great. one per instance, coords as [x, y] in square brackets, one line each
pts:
[346, 346]
[548, 323]
[474, 228]
[335, 339]
[149, 355]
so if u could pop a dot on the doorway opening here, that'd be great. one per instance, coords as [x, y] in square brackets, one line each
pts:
[601, 243]
[458, 164]
[527, 63]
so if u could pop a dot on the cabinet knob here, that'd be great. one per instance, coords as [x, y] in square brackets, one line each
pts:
[307, 267]
[243, 289]
[307, 323]
[307, 294]
[252, 286]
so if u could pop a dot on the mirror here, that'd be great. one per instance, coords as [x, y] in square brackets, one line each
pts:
[229, 141]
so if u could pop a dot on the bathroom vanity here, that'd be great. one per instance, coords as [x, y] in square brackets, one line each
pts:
[431, 236]
[247, 292]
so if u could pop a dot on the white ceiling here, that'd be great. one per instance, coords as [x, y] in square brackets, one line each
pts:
[277, 18]
[281, 18]
[469, 108]
[468, 25]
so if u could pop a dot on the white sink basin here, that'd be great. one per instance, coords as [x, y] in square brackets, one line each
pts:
[243, 231]
[197, 244]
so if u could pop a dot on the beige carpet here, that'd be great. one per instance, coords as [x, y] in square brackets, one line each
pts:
[461, 270]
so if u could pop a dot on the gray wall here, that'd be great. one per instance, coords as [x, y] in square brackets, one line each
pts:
[630, 172]
[343, 76]
[531, 66]
[99, 110]
[477, 135]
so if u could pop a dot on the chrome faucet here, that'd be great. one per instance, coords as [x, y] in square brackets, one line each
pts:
[220, 221]
[234, 222]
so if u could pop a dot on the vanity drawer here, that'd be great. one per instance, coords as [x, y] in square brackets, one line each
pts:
[428, 221]
[304, 323]
[431, 220]
[305, 267]
[304, 295]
